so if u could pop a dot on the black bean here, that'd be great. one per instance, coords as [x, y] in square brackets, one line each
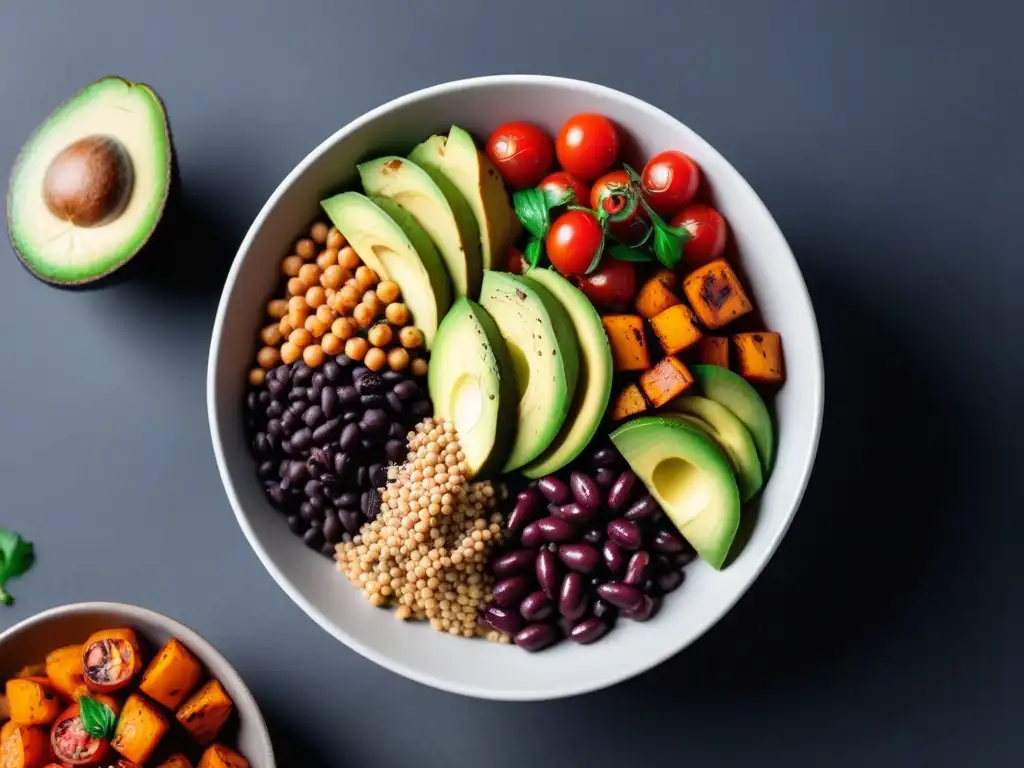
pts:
[333, 530]
[263, 398]
[302, 439]
[347, 499]
[572, 599]
[554, 529]
[275, 386]
[350, 416]
[266, 470]
[670, 581]
[327, 431]
[372, 401]
[358, 372]
[351, 520]
[251, 400]
[513, 563]
[318, 380]
[378, 476]
[390, 377]
[394, 402]
[313, 488]
[261, 444]
[290, 421]
[398, 432]
[276, 495]
[329, 402]
[511, 591]
[302, 374]
[375, 422]
[286, 484]
[621, 595]
[327, 549]
[536, 606]
[644, 611]
[588, 631]
[296, 524]
[605, 457]
[313, 537]
[637, 569]
[317, 503]
[332, 371]
[282, 468]
[407, 389]
[340, 464]
[274, 429]
[274, 410]
[547, 572]
[642, 509]
[348, 395]
[604, 477]
[298, 472]
[536, 637]
[421, 409]
[554, 490]
[503, 619]
[574, 513]
[614, 560]
[349, 437]
[297, 395]
[369, 383]
[286, 448]
[363, 477]
[625, 533]
[621, 491]
[580, 557]
[585, 490]
[395, 450]
[594, 536]
[344, 361]
[667, 543]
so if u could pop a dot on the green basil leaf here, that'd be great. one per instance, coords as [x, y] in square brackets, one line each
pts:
[555, 198]
[16, 557]
[534, 250]
[596, 260]
[668, 246]
[98, 719]
[532, 209]
[623, 252]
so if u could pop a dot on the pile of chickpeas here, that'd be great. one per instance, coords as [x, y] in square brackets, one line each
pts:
[335, 304]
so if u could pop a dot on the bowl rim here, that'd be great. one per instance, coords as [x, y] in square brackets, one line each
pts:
[652, 112]
[195, 642]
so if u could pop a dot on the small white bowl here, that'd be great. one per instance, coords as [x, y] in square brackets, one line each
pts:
[29, 641]
[479, 668]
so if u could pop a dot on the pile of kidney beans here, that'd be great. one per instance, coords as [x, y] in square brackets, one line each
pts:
[585, 546]
[323, 438]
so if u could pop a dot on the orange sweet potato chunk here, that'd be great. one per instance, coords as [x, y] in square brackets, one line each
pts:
[219, 756]
[666, 381]
[628, 342]
[205, 713]
[759, 356]
[139, 729]
[715, 294]
[654, 297]
[676, 329]
[177, 760]
[629, 402]
[172, 675]
[714, 350]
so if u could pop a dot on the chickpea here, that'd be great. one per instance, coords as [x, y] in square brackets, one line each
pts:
[335, 239]
[343, 328]
[370, 299]
[277, 308]
[271, 335]
[380, 335]
[313, 356]
[363, 315]
[306, 248]
[268, 357]
[297, 317]
[419, 366]
[410, 337]
[325, 314]
[309, 275]
[387, 291]
[356, 347]
[337, 303]
[300, 338]
[349, 297]
[291, 265]
[290, 353]
[397, 313]
[315, 297]
[331, 344]
[398, 359]
[319, 233]
[366, 277]
[316, 326]
[348, 258]
[375, 359]
[285, 326]
[257, 376]
[295, 286]
[331, 278]
[326, 258]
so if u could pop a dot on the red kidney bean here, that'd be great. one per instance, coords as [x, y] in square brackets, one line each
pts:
[575, 513]
[547, 572]
[605, 457]
[588, 631]
[594, 536]
[579, 557]
[604, 477]
[642, 509]
[554, 490]
[511, 591]
[667, 542]
[572, 600]
[646, 609]
[636, 570]
[513, 563]
[614, 560]
[536, 637]
[503, 619]
[625, 533]
[585, 490]
[554, 529]
[531, 535]
[621, 595]
[602, 609]
[621, 491]
[670, 581]
[684, 558]
[527, 504]
[536, 606]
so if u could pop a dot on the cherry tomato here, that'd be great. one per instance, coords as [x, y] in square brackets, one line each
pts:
[708, 229]
[574, 242]
[614, 194]
[559, 182]
[612, 285]
[522, 152]
[111, 659]
[670, 180]
[72, 744]
[515, 263]
[588, 145]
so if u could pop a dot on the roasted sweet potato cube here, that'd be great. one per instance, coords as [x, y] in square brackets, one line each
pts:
[665, 381]
[629, 402]
[714, 350]
[668, 278]
[177, 760]
[66, 672]
[33, 701]
[654, 297]
[715, 294]
[139, 729]
[24, 746]
[205, 713]
[676, 329]
[628, 342]
[219, 756]
[759, 356]
[172, 675]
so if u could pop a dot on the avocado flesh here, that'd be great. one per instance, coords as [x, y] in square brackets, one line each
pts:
[472, 385]
[690, 478]
[730, 434]
[474, 175]
[594, 385]
[392, 244]
[439, 208]
[735, 393]
[545, 359]
[56, 250]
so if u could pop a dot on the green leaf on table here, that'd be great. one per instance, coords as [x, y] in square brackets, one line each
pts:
[16, 557]
[97, 718]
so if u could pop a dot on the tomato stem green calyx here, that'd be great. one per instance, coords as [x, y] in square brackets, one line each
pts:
[669, 241]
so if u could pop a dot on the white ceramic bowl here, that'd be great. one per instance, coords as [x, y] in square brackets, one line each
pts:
[480, 668]
[28, 642]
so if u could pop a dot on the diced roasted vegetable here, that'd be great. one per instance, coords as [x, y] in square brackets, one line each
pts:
[33, 702]
[65, 671]
[715, 294]
[172, 675]
[31, 670]
[759, 356]
[177, 760]
[668, 278]
[219, 756]
[628, 342]
[205, 713]
[24, 747]
[139, 729]
[665, 381]
[654, 297]
[629, 402]
[676, 329]
[714, 350]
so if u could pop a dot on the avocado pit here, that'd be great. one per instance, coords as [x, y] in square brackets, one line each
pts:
[89, 182]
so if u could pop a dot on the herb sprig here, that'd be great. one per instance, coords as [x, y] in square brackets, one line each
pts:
[16, 557]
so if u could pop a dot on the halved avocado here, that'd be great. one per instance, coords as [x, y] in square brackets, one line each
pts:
[733, 391]
[472, 385]
[594, 385]
[393, 245]
[90, 185]
[690, 477]
[439, 208]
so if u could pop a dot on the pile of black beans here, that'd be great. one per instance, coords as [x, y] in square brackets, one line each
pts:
[323, 438]
[586, 546]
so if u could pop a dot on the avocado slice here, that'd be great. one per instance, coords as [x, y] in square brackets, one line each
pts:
[439, 208]
[392, 244]
[472, 385]
[690, 477]
[545, 358]
[736, 394]
[474, 175]
[730, 434]
[90, 185]
[594, 385]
